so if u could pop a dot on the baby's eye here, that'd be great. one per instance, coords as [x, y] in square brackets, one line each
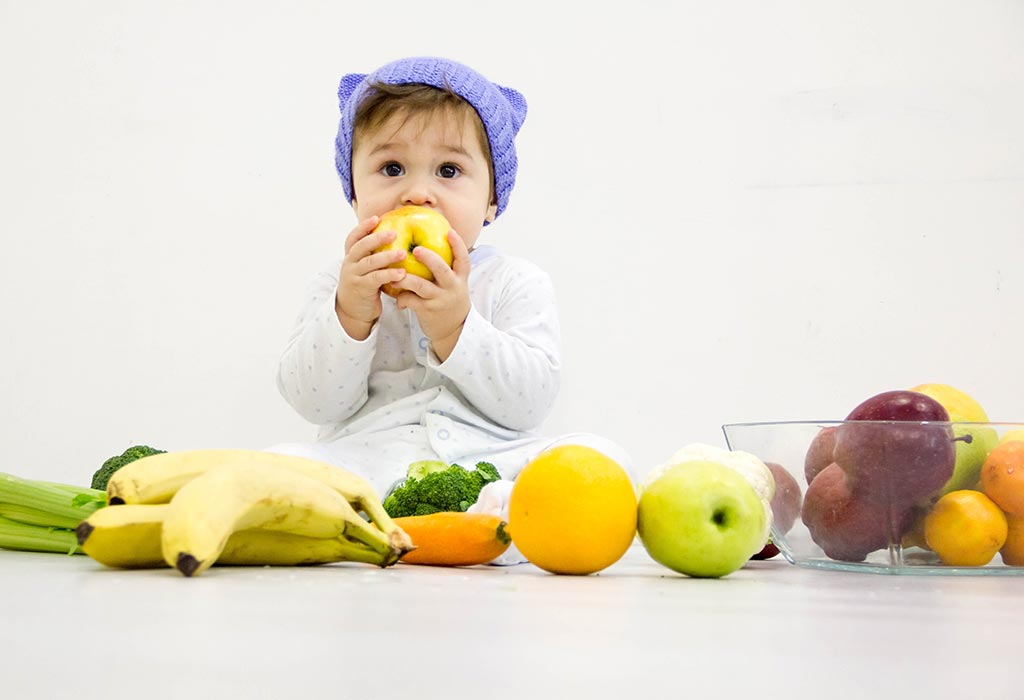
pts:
[448, 171]
[392, 169]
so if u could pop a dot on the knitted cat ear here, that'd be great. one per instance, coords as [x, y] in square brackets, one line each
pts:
[518, 104]
[348, 85]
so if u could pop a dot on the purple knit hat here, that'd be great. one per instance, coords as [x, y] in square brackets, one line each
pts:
[501, 109]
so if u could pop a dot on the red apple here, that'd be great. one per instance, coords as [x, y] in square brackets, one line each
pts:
[819, 453]
[767, 552]
[897, 447]
[847, 525]
[785, 506]
[787, 499]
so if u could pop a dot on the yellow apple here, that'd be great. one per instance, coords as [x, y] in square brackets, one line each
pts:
[415, 226]
[1015, 434]
[956, 402]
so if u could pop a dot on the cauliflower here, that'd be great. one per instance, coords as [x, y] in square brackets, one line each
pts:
[753, 469]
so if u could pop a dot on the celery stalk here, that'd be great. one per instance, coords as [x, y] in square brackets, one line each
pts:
[41, 516]
[37, 538]
[34, 516]
[64, 504]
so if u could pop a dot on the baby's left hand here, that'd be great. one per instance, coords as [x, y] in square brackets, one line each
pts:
[441, 305]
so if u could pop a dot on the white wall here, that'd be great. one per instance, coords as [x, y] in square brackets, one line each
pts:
[752, 210]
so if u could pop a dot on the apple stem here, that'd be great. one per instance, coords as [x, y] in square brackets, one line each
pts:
[966, 437]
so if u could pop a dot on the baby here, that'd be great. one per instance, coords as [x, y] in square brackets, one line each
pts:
[462, 368]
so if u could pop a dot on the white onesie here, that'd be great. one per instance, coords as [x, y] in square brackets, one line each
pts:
[384, 402]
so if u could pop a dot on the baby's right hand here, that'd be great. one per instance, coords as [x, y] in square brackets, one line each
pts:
[363, 272]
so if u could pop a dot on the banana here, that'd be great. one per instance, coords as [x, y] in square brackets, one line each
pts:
[156, 478]
[259, 547]
[357, 491]
[124, 537]
[129, 537]
[232, 497]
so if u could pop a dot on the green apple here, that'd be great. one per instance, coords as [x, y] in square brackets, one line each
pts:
[701, 519]
[415, 226]
[973, 443]
[747, 465]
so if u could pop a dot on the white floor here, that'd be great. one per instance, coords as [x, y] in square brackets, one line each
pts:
[71, 628]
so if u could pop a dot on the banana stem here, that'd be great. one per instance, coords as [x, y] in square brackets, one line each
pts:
[362, 531]
[359, 552]
[397, 537]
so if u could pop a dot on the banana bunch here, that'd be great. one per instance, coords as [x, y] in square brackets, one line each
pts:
[194, 508]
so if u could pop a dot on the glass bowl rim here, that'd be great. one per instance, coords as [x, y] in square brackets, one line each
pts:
[824, 423]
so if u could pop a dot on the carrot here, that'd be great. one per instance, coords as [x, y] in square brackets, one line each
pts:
[454, 539]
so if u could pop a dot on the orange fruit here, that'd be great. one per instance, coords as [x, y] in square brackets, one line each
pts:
[914, 534]
[572, 510]
[965, 528]
[1013, 548]
[1002, 476]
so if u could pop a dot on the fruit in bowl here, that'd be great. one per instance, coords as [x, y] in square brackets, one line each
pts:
[1012, 435]
[415, 226]
[844, 523]
[965, 528]
[1002, 477]
[821, 453]
[974, 443]
[960, 406]
[891, 451]
[895, 449]
[873, 481]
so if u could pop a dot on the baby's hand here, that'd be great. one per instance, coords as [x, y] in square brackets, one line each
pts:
[443, 304]
[363, 273]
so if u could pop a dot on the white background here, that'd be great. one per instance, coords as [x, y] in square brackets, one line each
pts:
[751, 210]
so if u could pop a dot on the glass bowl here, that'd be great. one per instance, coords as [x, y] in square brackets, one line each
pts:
[879, 482]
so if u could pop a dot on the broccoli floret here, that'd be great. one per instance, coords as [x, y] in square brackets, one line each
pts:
[430, 488]
[489, 471]
[107, 469]
[425, 509]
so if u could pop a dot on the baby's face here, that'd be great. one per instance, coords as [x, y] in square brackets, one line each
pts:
[433, 160]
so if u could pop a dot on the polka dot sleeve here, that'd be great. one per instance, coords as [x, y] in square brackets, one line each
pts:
[507, 362]
[323, 373]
